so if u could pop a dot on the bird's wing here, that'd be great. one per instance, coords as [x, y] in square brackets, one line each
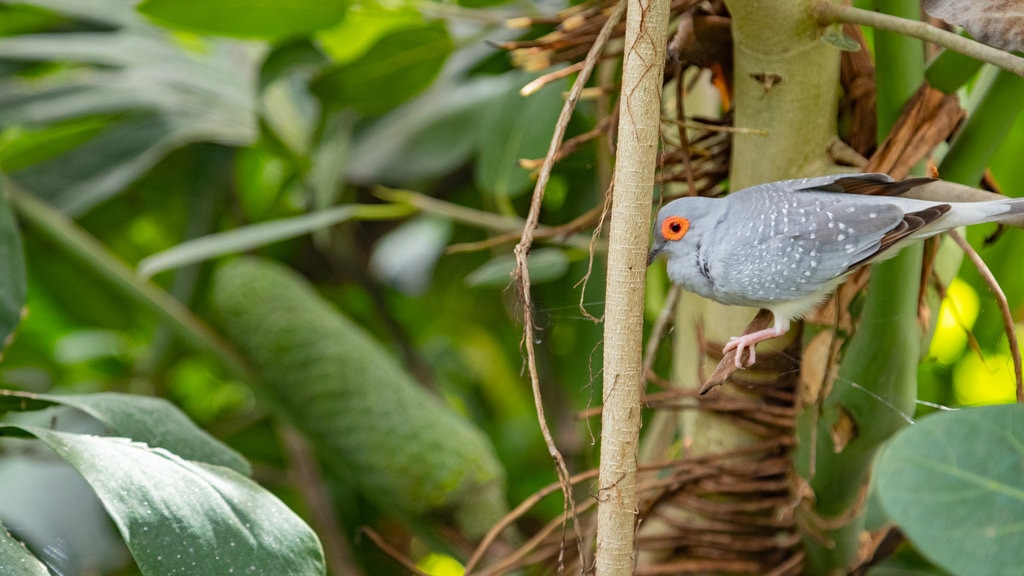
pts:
[788, 245]
[871, 184]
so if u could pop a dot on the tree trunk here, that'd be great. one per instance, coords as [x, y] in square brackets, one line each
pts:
[629, 235]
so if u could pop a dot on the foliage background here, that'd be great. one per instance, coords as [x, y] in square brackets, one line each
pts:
[149, 126]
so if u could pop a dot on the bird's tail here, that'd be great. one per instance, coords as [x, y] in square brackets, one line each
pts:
[972, 205]
[1015, 215]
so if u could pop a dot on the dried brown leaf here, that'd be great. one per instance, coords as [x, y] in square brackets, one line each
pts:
[998, 23]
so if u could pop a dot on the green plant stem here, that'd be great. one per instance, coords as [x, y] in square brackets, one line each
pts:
[978, 140]
[828, 13]
[472, 217]
[877, 381]
[81, 246]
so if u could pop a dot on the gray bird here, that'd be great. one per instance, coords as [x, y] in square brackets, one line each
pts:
[786, 245]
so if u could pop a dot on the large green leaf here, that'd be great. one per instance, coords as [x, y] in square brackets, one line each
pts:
[399, 66]
[954, 485]
[154, 421]
[247, 18]
[516, 128]
[12, 273]
[16, 560]
[183, 517]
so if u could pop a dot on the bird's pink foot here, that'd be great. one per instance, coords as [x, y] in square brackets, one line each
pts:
[749, 342]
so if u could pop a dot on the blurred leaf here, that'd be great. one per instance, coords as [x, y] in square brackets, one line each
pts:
[117, 277]
[260, 180]
[999, 23]
[154, 421]
[953, 483]
[371, 423]
[21, 19]
[246, 238]
[405, 257]
[21, 148]
[950, 70]
[326, 176]
[396, 68]
[49, 507]
[482, 3]
[13, 285]
[363, 27]
[992, 136]
[92, 173]
[165, 96]
[291, 113]
[16, 560]
[98, 11]
[158, 501]
[513, 129]
[545, 265]
[987, 125]
[426, 138]
[298, 55]
[905, 562]
[245, 18]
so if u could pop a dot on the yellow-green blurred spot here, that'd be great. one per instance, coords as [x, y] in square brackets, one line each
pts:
[956, 317]
[364, 25]
[440, 565]
[191, 42]
[979, 381]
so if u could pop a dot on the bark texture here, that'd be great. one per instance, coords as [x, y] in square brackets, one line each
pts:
[629, 235]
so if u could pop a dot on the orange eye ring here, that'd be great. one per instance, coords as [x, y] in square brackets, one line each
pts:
[674, 227]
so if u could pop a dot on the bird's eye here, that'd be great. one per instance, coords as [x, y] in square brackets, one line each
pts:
[674, 227]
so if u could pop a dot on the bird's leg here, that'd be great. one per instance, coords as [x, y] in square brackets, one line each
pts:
[748, 341]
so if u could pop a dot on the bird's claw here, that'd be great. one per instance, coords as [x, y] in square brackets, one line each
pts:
[741, 343]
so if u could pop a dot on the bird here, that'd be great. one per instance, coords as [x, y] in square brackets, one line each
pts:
[784, 246]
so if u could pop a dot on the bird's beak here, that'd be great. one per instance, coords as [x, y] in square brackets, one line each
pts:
[655, 250]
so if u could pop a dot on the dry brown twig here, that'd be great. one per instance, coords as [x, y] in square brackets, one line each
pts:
[1004, 307]
[391, 552]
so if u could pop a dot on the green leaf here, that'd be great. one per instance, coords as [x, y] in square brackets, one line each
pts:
[161, 503]
[950, 70]
[107, 12]
[154, 421]
[425, 139]
[545, 265]
[164, 95]
[513, 129]
[92, 173]
[364, 27]
[834, 36]
[297, 57]
[24, 19]
[953, 483]
[21, 148]
[247, 18]
[16, 560]
[396, 68]
[373, 426]
[250, 237]
[13, 285]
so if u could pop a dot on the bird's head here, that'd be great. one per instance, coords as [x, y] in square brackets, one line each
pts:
[681, 225]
